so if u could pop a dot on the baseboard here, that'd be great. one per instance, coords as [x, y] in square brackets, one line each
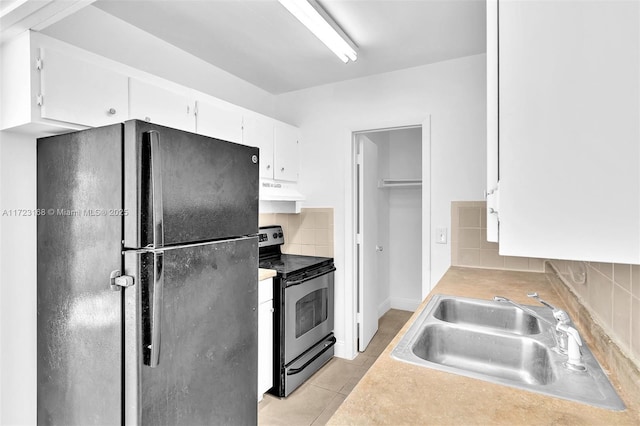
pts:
[384, 307]
[340, 350]
[404, 304]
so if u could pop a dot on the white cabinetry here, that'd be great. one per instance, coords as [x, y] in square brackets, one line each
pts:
[258, 131]
[265, 336]
[47, 87]
[219, 122]
[279, 147]
[286, 152]
[157, 105]
[568, 129]
[76, 91]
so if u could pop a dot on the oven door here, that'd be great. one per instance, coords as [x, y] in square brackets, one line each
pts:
[308, 312]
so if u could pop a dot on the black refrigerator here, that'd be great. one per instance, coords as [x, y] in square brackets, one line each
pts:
[147, 278]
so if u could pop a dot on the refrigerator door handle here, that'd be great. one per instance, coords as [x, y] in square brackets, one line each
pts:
[156, 188]
[157, 306]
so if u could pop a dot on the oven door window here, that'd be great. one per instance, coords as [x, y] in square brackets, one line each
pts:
[311, 311]
[307, 314]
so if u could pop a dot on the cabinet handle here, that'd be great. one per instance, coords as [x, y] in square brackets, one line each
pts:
[268, 166]
[282, 169]
[112, 111]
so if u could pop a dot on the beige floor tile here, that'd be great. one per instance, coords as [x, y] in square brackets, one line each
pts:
[315, 401]
[328, 412]
[349, 385]
[336, 374]
[302, 407]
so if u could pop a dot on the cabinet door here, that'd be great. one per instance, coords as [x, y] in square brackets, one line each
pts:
[258, 131]
[160, 106]
[265, 346]
[286, 153]
[79, 92]
[569, 130]
[219, 122]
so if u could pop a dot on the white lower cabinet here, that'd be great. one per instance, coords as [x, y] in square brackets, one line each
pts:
[265, 336]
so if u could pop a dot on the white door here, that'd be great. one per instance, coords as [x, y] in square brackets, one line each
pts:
[367, 241]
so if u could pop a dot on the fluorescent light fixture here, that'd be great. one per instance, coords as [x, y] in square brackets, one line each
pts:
[322, 26]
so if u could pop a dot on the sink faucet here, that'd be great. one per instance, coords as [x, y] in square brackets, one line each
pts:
[566, 337]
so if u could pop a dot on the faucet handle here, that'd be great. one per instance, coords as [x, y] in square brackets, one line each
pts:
[560, 315]
[547, 304]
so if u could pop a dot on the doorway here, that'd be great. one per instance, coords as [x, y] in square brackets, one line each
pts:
[389, 241]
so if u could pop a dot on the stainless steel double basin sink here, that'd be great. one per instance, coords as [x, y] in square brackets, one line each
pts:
[500, 343]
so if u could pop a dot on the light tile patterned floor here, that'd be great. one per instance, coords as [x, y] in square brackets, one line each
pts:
[316, 400]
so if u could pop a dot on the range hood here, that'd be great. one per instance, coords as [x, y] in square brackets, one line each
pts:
[279, 197]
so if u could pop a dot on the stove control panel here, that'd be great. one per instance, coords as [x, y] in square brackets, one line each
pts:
[270, 236]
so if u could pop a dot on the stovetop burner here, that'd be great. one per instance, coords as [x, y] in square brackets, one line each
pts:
[289, 264]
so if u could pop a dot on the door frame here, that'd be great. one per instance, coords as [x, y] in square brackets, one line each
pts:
[351, 301]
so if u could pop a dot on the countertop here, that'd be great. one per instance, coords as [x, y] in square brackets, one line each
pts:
[264, 274]
[397, 393]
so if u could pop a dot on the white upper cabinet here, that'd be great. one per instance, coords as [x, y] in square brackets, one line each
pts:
[568, 129]
[279, 146]
[157, 105]
[76, 91]
[49, 87]
[219, 122]
[258, 131]
[286, 155]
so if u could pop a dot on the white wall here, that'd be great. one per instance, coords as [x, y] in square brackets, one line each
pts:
[453, 92]
[17, 279]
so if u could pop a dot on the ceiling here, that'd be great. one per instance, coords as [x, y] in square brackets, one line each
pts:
[260, 42]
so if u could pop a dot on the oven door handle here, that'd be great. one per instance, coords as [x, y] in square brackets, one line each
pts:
[327, 345]
[298, 282]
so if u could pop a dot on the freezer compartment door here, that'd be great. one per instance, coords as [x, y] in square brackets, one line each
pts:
[79, 323]
[183, 188]
[191, 343]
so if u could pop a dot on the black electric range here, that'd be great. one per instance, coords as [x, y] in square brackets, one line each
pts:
[303, 290]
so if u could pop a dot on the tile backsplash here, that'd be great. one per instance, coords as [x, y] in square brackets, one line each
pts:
[610, 292]
[308, 233]
[469, 246]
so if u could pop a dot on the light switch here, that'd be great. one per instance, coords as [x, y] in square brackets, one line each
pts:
[441, 235]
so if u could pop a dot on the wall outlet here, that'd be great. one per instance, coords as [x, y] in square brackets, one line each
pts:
[441, 235]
